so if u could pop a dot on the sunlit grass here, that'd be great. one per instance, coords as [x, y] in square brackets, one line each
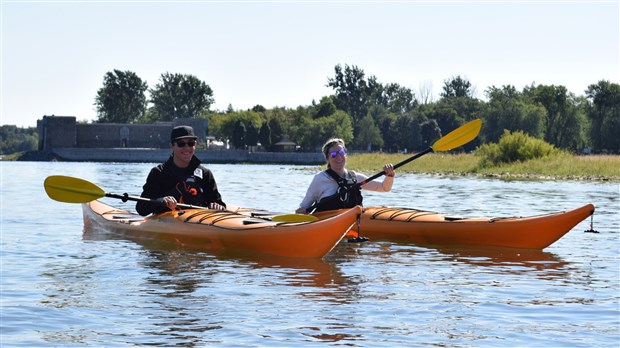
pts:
[12, 157]
[588, 167]
[429, 163]
[565, 166]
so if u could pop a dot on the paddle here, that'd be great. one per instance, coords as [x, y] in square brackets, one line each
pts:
[454, 139]
[74, 190]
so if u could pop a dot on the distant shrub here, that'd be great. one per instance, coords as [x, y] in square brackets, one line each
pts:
[514, 147]
[15, 139]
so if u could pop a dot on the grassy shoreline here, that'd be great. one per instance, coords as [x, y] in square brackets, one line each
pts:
[564, 167]
[604, 168]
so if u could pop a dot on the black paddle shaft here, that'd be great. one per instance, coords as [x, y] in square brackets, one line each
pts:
[397, 165]
[125, 197]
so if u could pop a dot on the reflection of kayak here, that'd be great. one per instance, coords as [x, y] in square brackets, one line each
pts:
[174, 262]
[506, 259]
[225, 230]
[429, 228]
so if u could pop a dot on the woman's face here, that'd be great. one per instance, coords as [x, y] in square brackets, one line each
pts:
[337, 157]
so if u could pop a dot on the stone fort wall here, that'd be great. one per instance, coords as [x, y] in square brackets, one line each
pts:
[64, 132]
[111, 142]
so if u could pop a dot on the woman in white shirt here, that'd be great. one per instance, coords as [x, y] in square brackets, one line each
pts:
[337, 187]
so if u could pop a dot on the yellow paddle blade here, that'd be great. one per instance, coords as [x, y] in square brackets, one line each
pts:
[294, 218]
[71, 190]
[459, 136]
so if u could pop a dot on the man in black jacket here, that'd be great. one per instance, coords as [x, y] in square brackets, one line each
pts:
[181, 179]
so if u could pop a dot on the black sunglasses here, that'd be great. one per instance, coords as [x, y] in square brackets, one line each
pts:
[341, 152]
[181, 143]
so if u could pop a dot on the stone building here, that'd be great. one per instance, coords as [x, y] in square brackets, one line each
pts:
[64, 132]
[117, 142]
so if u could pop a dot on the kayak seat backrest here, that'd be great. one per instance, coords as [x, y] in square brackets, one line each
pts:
[201, 216]
[398, 214]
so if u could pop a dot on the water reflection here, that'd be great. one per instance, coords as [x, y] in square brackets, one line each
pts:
[531, 259]
[186, 299]
[176, 272]
[183, 270]
[69, 282]
[504, 260]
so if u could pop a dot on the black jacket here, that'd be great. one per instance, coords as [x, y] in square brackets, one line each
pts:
[193, 185]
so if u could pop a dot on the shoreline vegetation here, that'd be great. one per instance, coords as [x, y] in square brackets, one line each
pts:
[605, 168]
[562, 166]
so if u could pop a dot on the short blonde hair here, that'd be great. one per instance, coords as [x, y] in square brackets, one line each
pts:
[331, 142]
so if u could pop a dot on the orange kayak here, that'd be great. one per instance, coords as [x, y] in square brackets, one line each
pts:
[225, 230]
[429, 228]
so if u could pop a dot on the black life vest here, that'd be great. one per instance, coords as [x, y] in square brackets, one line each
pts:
[189, 187]
[189, 192]
[348, 194]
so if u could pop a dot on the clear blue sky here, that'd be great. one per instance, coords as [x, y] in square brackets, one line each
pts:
[55, 54]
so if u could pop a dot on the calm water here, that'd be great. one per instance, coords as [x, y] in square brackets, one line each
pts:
[62, 288]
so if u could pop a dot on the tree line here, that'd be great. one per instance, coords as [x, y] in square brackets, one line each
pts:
[370, 115]
[16, 139]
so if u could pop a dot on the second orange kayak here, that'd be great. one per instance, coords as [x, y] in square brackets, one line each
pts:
[430, 228]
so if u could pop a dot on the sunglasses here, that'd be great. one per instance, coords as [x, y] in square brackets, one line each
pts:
[334, 154]
[181, 143]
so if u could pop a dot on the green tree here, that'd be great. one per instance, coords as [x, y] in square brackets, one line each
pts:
[259, 108]
[407, 133]
[430, 132]
[216, 124]
[238, 135]
[180, 96]
[398, 99]
[355, 95]
[276, 132]
[222, 125]
[277, 120]
[352, 91]
[341, 126]
[508, 110]
[565, 120]
[315, 132]
[456, 107]
[451, 113]
[457, 87]
[369, 134]
[251, 134]
[307, 131]
[325, 107]
[383, 120]
[446, 116]
[264, 135]
[604, 116]
[122, 98]
[14, 139]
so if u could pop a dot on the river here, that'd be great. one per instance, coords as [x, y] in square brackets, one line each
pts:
[63, 288]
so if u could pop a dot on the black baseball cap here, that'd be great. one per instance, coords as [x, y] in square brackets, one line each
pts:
[182, 132]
